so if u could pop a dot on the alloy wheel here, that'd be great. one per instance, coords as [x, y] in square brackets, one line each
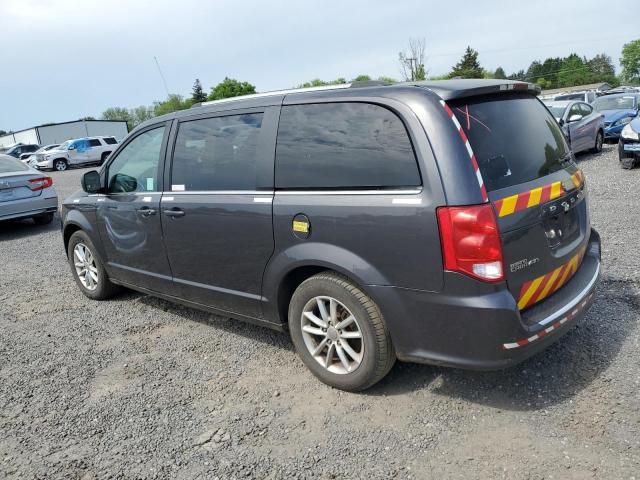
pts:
[85, 265]
[332, 335]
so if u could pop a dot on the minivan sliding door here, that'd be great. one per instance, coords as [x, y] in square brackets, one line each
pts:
[217, 211]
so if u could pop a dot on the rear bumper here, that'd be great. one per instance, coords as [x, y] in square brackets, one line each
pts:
[28, 207]
[487, 331]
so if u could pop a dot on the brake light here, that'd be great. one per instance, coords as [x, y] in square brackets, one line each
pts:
[40, 183]
[471, 241]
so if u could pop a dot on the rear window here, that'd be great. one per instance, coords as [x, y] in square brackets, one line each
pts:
[343, 145]
[514, 138]
[615, 103]
[94, 142]
[9, 164]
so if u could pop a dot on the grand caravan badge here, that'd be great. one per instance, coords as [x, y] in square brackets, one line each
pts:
[522, 264]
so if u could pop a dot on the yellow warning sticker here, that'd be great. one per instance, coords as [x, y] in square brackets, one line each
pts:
[300, 227]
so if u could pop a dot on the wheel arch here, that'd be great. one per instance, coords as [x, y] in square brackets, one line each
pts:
[283, 275]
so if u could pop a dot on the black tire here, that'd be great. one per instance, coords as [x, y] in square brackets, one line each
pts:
[43, 218]
[379, 355]
[60, 165]
[104, 288]
[597, 148]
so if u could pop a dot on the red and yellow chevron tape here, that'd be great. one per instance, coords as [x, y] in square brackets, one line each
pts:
[537, 196]
[540, 288]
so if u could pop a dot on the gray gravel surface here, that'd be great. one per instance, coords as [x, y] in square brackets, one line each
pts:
[139, 388]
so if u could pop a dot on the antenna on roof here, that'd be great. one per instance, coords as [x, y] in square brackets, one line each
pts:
[164, 82]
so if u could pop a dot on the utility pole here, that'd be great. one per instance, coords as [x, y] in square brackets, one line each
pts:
[413, 74]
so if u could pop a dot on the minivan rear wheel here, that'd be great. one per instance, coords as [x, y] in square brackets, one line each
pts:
[339, 333]
[87, 268]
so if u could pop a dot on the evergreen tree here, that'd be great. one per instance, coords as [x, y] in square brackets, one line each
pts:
[499, 73]
[197, 94]
[468, 66]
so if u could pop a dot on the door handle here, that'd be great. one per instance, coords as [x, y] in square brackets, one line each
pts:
[146, 211]
[174, 212]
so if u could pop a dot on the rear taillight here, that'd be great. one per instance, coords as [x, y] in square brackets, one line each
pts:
[40, 183]
[471, 241]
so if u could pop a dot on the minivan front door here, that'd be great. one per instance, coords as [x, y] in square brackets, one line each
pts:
[129, 213]
[217, 219]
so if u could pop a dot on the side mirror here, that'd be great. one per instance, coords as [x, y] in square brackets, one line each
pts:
[91, 182]
[575, 118]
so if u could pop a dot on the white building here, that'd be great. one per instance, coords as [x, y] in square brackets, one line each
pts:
[59, 132]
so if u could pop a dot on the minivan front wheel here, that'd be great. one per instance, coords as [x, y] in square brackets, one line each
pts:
[88, 270]
[339, 333]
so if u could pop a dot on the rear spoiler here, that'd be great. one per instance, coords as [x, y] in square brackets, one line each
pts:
[462, 88]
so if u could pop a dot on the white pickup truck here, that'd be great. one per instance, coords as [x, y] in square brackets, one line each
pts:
[74, 153]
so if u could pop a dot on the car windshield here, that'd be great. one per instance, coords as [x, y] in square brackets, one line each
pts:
[47, 148]
[557, 110]
[614, 103]
[64, 146]
[9, 164]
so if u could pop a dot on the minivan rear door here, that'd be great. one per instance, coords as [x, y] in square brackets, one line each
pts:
[217, 208]
[535, 187]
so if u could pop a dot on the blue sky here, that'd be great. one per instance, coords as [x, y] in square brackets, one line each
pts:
[65, 59]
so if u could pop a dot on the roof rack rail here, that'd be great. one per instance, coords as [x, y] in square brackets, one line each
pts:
[368, 83]
[276, 92]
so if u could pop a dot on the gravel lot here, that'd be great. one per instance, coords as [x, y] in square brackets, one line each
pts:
[140, 388]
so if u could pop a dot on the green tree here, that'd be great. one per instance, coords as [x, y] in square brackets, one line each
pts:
[316, 82]
[543, 83]
[88, 118]
[362, 78]
[630, 61]
[468, 66]
[499, 74]
[387, 79]
[2, 132]
[173, 103]
[601, 69]
[573, 72]
[197, 94]
[230, 87]
[520, 75]
[116, 113]
[139, 115]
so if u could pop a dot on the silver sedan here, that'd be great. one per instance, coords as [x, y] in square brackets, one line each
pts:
[25, 192]
[582, 125]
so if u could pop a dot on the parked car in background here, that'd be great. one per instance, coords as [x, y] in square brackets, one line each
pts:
[581, 124]
[25, 192]
[413, 221]
[587, 96]
[27, 157]
[618, 109]
[81, 151]
[629, 144]
[21, 149]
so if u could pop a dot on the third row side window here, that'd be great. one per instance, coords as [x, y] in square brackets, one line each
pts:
[343, 145]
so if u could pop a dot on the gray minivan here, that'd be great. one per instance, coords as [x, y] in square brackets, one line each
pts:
[438, 222]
